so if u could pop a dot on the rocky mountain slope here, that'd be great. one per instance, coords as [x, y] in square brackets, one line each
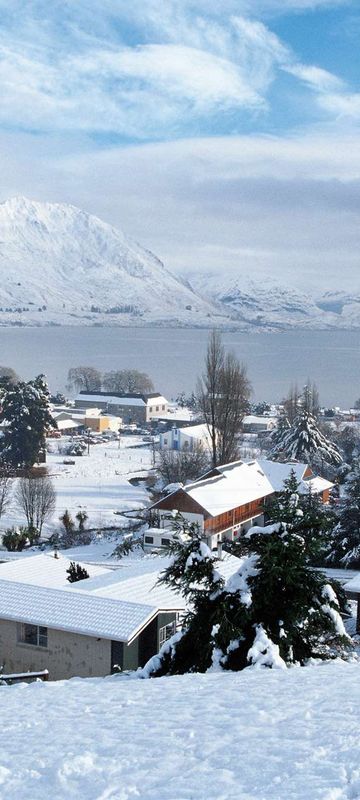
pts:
[60, 265]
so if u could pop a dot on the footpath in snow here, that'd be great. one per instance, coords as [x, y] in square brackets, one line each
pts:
[255, 735]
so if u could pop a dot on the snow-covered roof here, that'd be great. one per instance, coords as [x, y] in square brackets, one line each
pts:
[252, 419]
[77, 612]
[138, 582]
[66, 424]
[44, 570]
[315, 485]
[353, 585]
[278, 472]
[111, 400]
[195, 430]
[238, 483]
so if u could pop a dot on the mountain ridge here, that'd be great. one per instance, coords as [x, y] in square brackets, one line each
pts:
[63, 266]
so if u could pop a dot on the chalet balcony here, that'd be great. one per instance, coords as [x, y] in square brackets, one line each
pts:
[230, 519]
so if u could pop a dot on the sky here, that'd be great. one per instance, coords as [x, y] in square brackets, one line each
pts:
[221, 134]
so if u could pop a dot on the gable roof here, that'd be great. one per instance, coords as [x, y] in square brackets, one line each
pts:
[224, 489]
[72, 611]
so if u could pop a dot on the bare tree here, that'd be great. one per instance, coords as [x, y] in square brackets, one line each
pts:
[5, 490]
[291, 403]
[307, 400]
[223, 398]
[87, 379]
[179, 466]
[128, 381]
[37, 499]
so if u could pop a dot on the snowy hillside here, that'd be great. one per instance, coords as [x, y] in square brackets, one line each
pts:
[267, 304]
[253, 735]
[60, 265]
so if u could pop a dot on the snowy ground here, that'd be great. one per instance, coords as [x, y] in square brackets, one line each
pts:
[255, 735]
[97, 483]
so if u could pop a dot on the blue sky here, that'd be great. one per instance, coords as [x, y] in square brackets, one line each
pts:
[223, 134]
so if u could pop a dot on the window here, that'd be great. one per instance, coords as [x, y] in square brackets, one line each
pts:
[149, 539]
[157, 408]
[166, 632]
[165, 441]
[165, 541]
[33, 634]
[163, 408]
[151, 408]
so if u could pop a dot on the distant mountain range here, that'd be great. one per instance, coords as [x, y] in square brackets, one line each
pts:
[62, 266]
[267, 304]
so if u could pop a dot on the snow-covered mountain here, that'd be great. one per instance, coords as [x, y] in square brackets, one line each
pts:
[267, 304]
[60, 265]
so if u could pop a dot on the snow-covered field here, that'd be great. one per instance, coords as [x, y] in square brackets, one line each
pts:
[97, 483]
[255, 735]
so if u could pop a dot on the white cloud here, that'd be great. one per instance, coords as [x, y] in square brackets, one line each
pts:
[284, 206]
[317, 78]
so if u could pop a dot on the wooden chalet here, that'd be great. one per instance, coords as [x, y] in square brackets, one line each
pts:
[230, 499]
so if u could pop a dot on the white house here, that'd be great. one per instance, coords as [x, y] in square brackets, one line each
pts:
[187, 438]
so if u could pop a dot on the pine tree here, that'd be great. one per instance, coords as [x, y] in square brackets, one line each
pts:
[345, 547]
[304, 441]
[26, 409]
[276, 610]
[303, 514]
[278, 434]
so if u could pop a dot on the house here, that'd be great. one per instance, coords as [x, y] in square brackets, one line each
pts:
[138, 408]
[115, 619]
[230, 499]
[185, 438]
[256, 424]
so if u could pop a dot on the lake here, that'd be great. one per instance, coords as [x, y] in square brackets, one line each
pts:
[174, 357]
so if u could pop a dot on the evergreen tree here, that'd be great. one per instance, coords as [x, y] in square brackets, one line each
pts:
[345, 546]
[303, 514]
[278, 434]
[304, 441]
[274, 611]
[25, 407]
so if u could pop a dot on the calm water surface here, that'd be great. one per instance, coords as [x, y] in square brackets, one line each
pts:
[174, 358]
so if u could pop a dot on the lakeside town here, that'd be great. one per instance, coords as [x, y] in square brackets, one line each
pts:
[103, 492]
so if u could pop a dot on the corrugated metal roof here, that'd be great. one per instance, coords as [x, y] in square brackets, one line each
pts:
[72, 611]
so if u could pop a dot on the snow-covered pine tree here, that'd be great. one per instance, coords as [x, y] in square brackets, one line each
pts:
[304, 514]
[304, 441]
[274, 611]
[26, 409]
[282, 428]
[345, 545]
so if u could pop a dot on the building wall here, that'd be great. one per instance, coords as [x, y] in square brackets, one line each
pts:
[67, 654]
[97, 424]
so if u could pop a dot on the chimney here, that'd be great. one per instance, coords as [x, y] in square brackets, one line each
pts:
[219, 549]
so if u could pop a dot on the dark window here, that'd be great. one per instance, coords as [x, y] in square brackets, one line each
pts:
[149, 539]
[165, 541]
[34, 634]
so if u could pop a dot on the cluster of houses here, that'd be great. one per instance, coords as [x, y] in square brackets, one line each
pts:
[119, 616]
